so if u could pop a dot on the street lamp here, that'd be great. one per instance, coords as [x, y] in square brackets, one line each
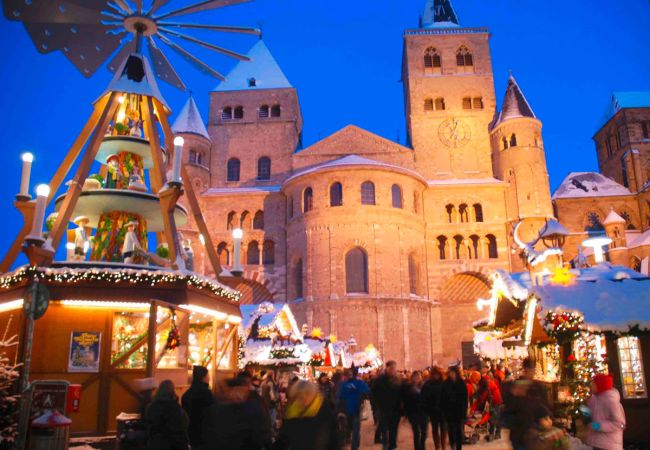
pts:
[597, 243]
[237, 235]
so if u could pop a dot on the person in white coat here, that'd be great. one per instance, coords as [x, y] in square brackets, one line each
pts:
[131, 243]
[607, 415]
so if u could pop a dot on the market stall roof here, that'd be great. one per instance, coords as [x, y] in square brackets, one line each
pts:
[611, 298]
[270, 315]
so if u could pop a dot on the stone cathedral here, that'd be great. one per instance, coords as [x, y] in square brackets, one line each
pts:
[363, 236]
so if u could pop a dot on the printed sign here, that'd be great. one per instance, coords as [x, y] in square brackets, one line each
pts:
[84, 351]
[48, 395]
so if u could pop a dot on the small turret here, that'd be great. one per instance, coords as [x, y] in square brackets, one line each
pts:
[196, 153]
[615, 228]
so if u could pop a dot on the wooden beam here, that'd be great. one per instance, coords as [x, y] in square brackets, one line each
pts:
[77, 146]
[168, 195]
[225, 345]
[151, 339]
[195, 209]
[74, 190]
[27, 211]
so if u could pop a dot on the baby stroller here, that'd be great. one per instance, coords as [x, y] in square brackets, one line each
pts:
[477, 425]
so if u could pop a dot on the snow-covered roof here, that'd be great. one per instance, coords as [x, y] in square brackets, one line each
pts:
[241, 190]
[354, 160]
[261, 72]
[189, 120]
[439, 14]
[553, 227]
[613, 217]
[589, 184]
[514, 104]
[641, 240]
[622, 100]
[610, 297]
[269, 314]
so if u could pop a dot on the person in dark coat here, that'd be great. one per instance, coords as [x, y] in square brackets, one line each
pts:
[237, 421]
[195, 403]
[309, 422]
[414, 409]
[166, 421]
[454, 405]
[386, 392]
[432, 404]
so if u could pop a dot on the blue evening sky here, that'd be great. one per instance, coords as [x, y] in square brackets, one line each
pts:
[344, 58]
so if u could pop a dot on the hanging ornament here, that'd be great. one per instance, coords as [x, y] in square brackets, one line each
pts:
[174, 336]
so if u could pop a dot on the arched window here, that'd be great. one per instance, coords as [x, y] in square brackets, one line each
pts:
[414, 275]
[439, 104]
[258, 220]
[428, 104]
[276, 111]
[367, 193]
[432, 60]
[504, 142]
[263, 112]
[290, 207]
[226, 113]
[463, 211]
[464, 58]
[307, 200]
[268, 253]
[628, 221]
[458, 243]
[224, 255]
[230, 224]
[594, 223]
[513, 140]
[478, 212]
[356, 270]
[233, 169]
[442, 246]
[195, 157]
[238, 112]
[253, 253]
[451, 213]
[297, 279]
[474, 250]
[264, 168]
[416, 202]
[396, 194]
[336, 194]
[492, 246]
[245, 220]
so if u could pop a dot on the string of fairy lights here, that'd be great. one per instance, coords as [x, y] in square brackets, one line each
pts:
[131, 276]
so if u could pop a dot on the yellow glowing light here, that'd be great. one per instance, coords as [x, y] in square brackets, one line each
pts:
[120, 99]
[11, 305]
[120, 116]
[332, 338]
[562, 276]
[104, 304]
[209, 312]
[316, 332]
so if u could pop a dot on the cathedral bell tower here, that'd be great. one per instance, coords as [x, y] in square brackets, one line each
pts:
[448, 94]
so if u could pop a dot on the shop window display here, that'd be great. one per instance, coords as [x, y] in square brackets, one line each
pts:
[632, 373]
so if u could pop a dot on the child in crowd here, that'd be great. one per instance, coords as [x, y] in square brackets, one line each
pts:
[543, 435]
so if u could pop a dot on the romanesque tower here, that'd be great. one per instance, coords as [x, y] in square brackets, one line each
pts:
[449, 95]
[255, 123]
[519, 159]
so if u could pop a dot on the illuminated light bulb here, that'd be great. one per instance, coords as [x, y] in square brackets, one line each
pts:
[178, 140]
[27, 157]
[237, 233]
[43, 190]
[120, 99]
[201, 239]
[23, 193]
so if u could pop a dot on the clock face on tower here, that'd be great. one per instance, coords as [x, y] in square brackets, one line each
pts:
[454, 133]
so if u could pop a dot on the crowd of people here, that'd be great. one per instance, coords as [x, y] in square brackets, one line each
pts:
[262, 413]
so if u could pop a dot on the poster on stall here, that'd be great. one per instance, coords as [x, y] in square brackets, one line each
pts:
[84, 351]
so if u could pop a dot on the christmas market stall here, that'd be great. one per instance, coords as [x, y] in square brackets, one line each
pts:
[576, 323]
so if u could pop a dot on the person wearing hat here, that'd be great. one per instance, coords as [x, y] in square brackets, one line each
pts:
[113, 176]
[195, 402]
[81, 241]
[131, 243]
[607, 415]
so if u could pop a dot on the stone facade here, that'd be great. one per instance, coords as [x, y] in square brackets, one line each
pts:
[365, 237]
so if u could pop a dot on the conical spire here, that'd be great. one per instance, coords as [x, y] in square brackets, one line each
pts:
[514, 104]
[439, 14]
[261, 72]
[189, 120]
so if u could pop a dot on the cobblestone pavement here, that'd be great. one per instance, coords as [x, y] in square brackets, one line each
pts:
[405, 439]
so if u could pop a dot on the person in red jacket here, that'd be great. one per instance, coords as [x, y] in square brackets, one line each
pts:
[495, 407]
